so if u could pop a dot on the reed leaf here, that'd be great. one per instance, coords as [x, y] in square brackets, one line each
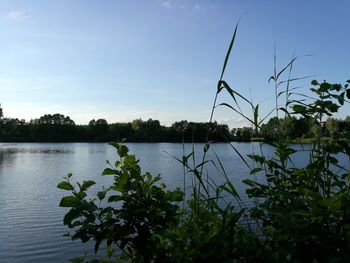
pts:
[229, 52]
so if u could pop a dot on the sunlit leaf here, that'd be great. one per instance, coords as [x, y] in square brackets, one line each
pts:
[65, 186]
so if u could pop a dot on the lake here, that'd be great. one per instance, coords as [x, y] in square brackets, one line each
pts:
[31, 226]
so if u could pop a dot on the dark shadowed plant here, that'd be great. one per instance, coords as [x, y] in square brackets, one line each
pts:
[132, 213]
[304, 211]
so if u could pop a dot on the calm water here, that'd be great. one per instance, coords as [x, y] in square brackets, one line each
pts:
[31, 226]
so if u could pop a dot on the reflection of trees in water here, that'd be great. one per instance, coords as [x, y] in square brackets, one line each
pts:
[7, 156]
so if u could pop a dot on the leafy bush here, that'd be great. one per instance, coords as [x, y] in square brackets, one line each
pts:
[145, 222]
[305, 212]
[142, 210]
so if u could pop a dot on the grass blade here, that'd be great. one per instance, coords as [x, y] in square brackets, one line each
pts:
[228, 52]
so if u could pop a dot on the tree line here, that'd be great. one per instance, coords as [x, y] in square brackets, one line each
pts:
[60, 128]
[291, 127]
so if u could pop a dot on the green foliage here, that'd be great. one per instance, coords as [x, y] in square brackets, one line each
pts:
[296, 214]
[304, 212]
[138, 208]
[143, 219]
[60, 128]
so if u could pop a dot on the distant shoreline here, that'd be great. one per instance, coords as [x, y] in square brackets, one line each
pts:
[257, 139]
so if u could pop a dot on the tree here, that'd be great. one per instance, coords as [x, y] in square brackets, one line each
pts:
[180, 126]
[136, 124]
[332, 126]
[99, 130]
[270, 130]
[152, 130]
[92, 123]
[101, 122]
[55, 119]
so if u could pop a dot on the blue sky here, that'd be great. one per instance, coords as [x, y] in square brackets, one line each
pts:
[161, 59]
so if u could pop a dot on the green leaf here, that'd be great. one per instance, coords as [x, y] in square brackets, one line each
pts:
[110, 251]
[299, 109]
[121, 182]
[149, 177]
[69, 201]
[81, 195]
[256, 170]
[97, 245]
[237, 111]
[206, 147]
[289, 65]
[314, 83]
[325, 87]
[70, 216]
[114, 144]
[65, 186]
[285, 111]
[109, 171]
[233, 93]
[123, 151]
[86, 185]
[78, 260]
[228, 52]
[219, 87]
[114, 198]
[228, 187]
[257, 158]
[256, 115]
[101, 194]
[341, 98]
[174, 196]
[250, 182]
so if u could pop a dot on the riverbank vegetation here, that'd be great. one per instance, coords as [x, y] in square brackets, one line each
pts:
[60, 128]
[289, 213]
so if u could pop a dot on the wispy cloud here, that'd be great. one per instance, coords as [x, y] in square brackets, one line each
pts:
[186, 5]
[167, 4]
[234, 122]
[165, 118]
[18, 15]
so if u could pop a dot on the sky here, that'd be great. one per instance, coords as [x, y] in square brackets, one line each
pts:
[126, 59]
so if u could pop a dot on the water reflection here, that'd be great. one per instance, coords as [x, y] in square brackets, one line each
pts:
[7, 157]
